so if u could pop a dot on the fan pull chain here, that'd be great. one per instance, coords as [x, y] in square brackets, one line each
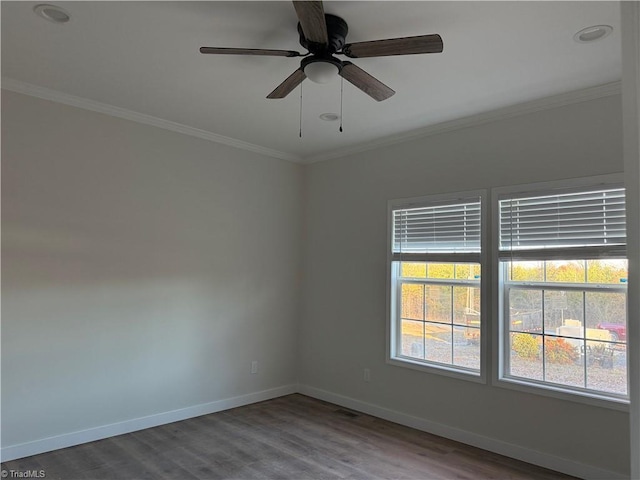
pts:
[341, 90]
[300, 134]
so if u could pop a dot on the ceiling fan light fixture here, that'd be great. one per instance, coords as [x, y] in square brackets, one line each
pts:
[321, 72]
[52, 13]
[591, 34]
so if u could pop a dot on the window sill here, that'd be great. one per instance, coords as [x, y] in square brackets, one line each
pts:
[447, 371]
[598, 400]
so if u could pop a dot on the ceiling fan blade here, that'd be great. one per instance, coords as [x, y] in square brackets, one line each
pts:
[395, 46]
[250, 51]
[365, 82]
[311, 17]
[286, 87]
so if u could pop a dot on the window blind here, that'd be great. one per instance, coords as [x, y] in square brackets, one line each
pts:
[582, 220]
[443, 228]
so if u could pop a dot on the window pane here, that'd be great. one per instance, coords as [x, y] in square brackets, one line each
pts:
[563, 313]
[583, 333]
[525, 310]
[606, 311]
[526, 271]
[412, 343]
[426, 309]
[466, 347]
[526, 359]
[565, 271]
[607, 367]
[467, 271]
[466, 306]
[438, 301]
[562, 361]
[438, 342]
[414, 270]
[440, 270]
[412, 301]
[607, 271]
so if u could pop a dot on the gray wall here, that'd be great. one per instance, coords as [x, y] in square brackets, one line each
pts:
[142, 270]
[344, 313]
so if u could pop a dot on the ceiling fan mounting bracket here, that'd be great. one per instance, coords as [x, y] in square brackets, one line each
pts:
[337, 30]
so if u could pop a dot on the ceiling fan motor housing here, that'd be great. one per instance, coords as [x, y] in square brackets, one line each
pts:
[337, 30]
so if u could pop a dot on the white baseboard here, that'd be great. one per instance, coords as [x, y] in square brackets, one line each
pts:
[13, 452]
[534, 457]
[546, 460]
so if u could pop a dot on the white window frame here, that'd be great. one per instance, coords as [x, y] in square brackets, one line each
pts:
[392, 301]
[499, 337]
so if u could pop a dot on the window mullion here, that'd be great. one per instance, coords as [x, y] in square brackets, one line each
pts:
[451, 319]
[424, 322]
[544, 338]
[584, 336]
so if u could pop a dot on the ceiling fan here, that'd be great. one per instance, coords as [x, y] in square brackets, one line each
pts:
[323, 35]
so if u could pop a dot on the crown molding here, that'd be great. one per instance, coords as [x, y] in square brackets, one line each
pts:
[94, 106]
[546, 103]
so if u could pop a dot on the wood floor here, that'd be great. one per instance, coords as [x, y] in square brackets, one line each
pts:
[293, 437]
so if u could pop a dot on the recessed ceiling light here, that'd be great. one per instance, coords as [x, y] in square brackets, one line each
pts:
[329, 117]
[52, 13]
[591, 34]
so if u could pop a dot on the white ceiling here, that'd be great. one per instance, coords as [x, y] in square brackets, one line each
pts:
[143, 56]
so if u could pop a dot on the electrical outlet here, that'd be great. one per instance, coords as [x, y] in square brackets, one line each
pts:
[254, 367]
[367, 375]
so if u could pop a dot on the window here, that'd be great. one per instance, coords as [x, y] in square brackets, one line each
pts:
[559, 277]
[563, 273]
[435, 270]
